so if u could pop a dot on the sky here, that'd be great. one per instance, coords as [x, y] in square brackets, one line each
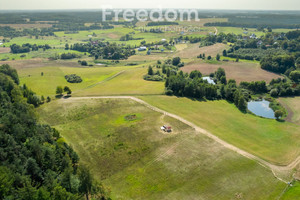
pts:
[199, 4]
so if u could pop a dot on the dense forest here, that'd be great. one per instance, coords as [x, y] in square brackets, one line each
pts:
[35, 161]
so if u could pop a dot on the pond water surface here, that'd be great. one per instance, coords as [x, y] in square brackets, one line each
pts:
[261, 108]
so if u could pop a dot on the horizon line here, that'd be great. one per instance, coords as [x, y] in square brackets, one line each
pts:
[99, 9]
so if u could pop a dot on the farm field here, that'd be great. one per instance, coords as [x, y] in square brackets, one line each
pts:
[121, 141]
[30, 73]
[271, 140]
[97, 80]
[35, 54]
[217, 149]
[21, 26]
[293, 107]
[241, 71]
[129, 82]
[240, 31]
[193, 50]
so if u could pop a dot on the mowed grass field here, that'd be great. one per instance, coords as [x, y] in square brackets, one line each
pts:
[97, 80]
[292, 193]
[136, 160]
[293, 107]
[129, 82]
[55, 76]
[277, 142]
[36, 54]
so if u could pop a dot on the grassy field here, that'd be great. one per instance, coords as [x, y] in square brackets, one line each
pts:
[292, 193]
[293, 107]
[114, 79]
[240, 31]
[130, 82]
[54, 76]
[121, 141]
[52, 41]
[193, 50]
[274, 141]
[36, 54]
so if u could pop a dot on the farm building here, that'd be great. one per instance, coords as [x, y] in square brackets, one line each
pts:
[142, 49]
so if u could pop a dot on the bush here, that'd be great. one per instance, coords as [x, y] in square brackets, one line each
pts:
[169, 92]
[65, 56]
[176, 61]
[274, 93]
[84, 63]
[181, 64]
[278, 114]
[73, 78]
[153, 78]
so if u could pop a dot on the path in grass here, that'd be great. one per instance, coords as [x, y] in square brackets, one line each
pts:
[264, 163]
[292, 105]
[139, 161]
[109, 78]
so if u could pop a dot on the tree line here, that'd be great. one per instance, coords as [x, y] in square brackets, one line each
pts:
[25, 48]
[192, 85]
[105, 50]
[35, 161]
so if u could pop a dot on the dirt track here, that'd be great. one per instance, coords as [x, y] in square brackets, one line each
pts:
[264, 163]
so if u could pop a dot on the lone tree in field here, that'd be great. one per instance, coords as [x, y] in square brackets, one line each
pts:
[48, 99]
[42, 99]
[150, 70]
[218, 57]
[176, 61]
[59, 90]
[67, 47]
[278, 114]
[67, 90]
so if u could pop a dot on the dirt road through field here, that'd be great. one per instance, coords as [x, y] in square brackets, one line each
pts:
[274, 168]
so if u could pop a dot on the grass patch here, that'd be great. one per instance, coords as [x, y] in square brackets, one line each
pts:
[292, 193]
[269, 139]
[292, 105]
[136, 160]
[130, 82]
[55, 76]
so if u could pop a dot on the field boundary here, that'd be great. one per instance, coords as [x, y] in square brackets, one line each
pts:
[105, 80]
[262, 162]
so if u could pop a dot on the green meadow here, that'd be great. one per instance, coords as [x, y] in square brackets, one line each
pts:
[136, 160]
[277, 142]
[54, 76]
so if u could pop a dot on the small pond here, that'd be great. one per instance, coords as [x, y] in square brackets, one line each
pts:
[261, 108]
[209, 80]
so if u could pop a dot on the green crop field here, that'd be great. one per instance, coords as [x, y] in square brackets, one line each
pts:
[269, 139]
[121, 141]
